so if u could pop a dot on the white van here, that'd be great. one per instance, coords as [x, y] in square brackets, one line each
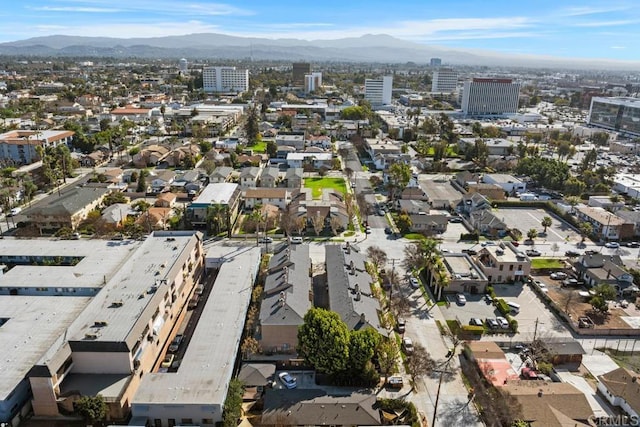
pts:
[515, 308]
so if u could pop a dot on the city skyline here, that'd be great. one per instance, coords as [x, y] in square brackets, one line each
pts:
[574, 29]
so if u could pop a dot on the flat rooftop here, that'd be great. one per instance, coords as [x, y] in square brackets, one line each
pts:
[138, 281]
[460, 265]
[100, 261]
[217, 193]
[31, 326]
[207, 365]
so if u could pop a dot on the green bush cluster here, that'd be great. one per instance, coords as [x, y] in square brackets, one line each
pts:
[503, 307]
[473, 330]
[470, 236]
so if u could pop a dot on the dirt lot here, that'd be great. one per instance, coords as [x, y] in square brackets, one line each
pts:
[569, 301]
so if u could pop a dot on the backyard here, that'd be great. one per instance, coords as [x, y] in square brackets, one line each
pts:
[318, 184]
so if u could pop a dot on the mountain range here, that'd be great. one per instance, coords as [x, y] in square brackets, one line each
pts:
[367, 48]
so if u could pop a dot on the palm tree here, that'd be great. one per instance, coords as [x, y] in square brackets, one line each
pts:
[546, 222]
[215, 218]
[532, 234]
[442, 277]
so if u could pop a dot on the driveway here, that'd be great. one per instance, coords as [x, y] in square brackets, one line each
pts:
[525, 219]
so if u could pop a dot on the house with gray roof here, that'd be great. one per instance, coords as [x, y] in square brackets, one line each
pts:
[221, 174]
[349, 287]
[595, 269]
[286, 298]
[293, 177]
[487, 223]
[249, 177]
[431, 224]
[66, 210]
[269, 177]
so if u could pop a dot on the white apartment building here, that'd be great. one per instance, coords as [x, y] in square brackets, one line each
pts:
[225, 79]
[378, 91]
[445, 80]
[490, 97]
[312, 81]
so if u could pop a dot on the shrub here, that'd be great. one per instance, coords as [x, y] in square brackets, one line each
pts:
[503, 307]
[545, 368]
[473, 330]
[513, 323]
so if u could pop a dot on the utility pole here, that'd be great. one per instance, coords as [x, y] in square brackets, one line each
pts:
[445, 369]
[535, 331]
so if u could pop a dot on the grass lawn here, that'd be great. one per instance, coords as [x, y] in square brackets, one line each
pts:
[546, 263]
[317, 184]
[414, 236]
[260, 147]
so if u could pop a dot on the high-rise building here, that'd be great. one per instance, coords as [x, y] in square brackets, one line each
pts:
[312, 82]
[435, 62]
[225, 79]
[490, 97]
[620, 114]
[300, 69]
[444, 80]
[183, 65]
[378, 91]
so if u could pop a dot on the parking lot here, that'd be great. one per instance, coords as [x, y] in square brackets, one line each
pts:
[525, 219]
[532, 309]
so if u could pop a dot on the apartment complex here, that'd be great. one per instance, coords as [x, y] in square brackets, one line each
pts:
[312, 82]
[445, 80]
[90, 317]
[378, 91]
[19, 146]
[490, 97]
[300, 69]
[618, 114]
[225, 79]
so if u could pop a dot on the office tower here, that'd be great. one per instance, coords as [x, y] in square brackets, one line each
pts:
[435, 62]
[300, 69]
[225, 79]
[378, 91]
[444, 80]
[620, 114]
[183, 65]
[312, 82]
[490, 97]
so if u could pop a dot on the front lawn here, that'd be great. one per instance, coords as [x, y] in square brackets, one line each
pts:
[259, 147]
[539, 263]
[414, 236]
[318, 184]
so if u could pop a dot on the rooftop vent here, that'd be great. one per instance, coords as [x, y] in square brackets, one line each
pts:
[91, 336]
[100, 324]
[116, 304]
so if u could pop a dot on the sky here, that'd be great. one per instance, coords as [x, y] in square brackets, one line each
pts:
[568, 29]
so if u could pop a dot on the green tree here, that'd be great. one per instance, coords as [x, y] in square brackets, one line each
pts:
[362, 345]
[251, 126]
[546, 223]
[404, 222]
[574, 187]
[399, 177]
[585, 230]
[142, 181]
[387, 353]
[232, 409]
[271, 148]
[205, 146]
[92, 408]
[323, 340]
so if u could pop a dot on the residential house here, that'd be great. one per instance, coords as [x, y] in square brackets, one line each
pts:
[247, 160]
[249, 177]
[66, 210]
[155, 218]
[377, 146]
[115, 215]
[283, 151]
[189, 182]
[113, 175]
[151, 155]
[331, 208]
[414, 193]
[495, 146]
[605, 202]
[490, 191]
[180, 155]
[280, 197]
[491, 361]
[551, 404]
[166, 200]
[487, 223]
[293, 177]
[286, 298]
[473, 202]
[606, 225]
[269, 177]
[413, 207]
[314, 160]
[430, 224]
[320, 141]
[462, 275]
[317, 407]
[503, 263]
[131, 113]
[220, 175]
[464, 178]
[225, 196]
[228, 144]
[564, 351]
[295, 140]
[93, 159]
[349, 288]
[596, 269]
[621, 388]
[257, 374]
[632, 217]
[162, 180]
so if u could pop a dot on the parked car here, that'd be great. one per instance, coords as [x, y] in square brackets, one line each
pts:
[387, 230]
[296, 240]
[381, 212]
[455, 220]
[533, 252]
[612, 245]
[515, 243]
[407, 345]
[175, 344]
[558, 275]
[502, 322]
[266, 239]
[488, 243]
[474, 321]
[367, 230]
[460, 299]
[470, 251]
[193, 302]
[395, 382]
[572, 254]
[492, 323]
[633, 244]
[414, 282]
[401, 326]
[287, 380]
[14, 211]
[167, 361]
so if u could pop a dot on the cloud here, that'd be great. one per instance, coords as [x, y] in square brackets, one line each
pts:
[606, 23]
[130, 30]
[79, 9]
[164, 7]
[618, 47]
[589, 10]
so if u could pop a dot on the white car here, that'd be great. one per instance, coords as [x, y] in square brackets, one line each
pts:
[460, 299]
[407, 345]
[612, 245]
[296, 240]
[488, 243]
[558, 275]
[14, 211]
[414, 282]
[502, 322]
